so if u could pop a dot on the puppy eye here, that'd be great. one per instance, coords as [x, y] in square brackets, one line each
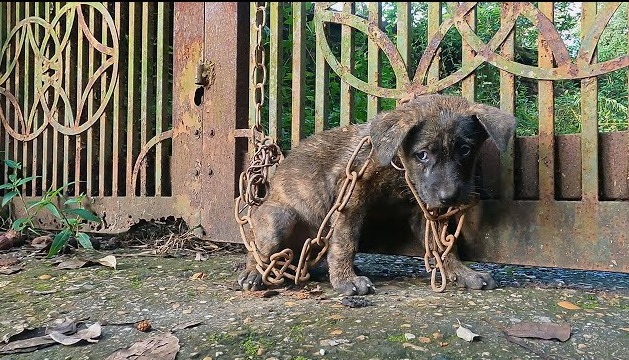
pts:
[465, 150]
[422, 156]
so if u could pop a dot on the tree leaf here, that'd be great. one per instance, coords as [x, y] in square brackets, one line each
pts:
[84, 214]
[71, 201]
[84, 240]
[20, 224]
[53, 210]
[58, 242]
[8, 196]
[13, 164]
[26, 179]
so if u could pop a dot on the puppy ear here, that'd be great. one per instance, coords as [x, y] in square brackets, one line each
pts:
[499, 125]
[388, 130]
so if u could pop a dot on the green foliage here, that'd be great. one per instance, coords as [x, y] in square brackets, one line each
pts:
[71, 214]
[612, 87]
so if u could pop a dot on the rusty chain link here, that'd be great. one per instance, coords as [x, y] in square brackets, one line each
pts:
[437, 242]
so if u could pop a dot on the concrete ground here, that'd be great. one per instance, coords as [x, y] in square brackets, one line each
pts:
[404, 320]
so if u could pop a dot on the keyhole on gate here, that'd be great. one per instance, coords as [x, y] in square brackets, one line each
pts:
[198, 95]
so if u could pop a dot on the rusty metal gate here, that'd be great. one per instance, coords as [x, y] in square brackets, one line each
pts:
[87, 95]
[555, 198]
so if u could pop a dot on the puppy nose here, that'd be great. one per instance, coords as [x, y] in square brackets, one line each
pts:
[448, 196]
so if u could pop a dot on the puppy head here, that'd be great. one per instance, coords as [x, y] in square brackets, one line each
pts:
[439, 138]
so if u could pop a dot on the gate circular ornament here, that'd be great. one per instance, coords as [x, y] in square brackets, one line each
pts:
[50, 88]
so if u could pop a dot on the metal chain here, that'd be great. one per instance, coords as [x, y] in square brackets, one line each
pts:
[280, 265]
[439, 245]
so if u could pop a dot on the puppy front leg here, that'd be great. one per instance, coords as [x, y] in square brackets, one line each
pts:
[464, 276]
[455, 269]
[272, 224]
[341, 254]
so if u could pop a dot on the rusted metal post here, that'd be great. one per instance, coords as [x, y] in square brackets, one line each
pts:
[224, 105]
[188, 41]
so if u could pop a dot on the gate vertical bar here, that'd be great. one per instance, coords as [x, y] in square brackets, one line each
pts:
[225, 24]
[276, 25]
[403, 35]
[188, 39]
[374, 65]
[117, 134]
[507, 103]
[546, 115]
[144, 93]
[589, 116]
[130, 102]
[104, 122]
[5, 9]
[434, 21]
[66, 138]
[79, 86]
[299, 75]
[468, 85]
[159, 96]
[45, 142]
[322, 83]
[347, 62]
[16, 124]
[90, 110]
[26, 113]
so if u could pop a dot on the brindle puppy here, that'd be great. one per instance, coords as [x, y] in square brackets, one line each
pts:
[438, 137]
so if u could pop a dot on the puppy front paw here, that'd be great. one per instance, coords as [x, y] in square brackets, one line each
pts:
[250, 280]
[357, 285]
[475, 280]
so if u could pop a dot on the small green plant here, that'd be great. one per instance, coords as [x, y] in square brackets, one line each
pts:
[397, 338]
[71, 214]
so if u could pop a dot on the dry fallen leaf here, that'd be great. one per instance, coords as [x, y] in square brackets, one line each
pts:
[45, 277]
[10, 270]
[108, 260]
[423, 339]
[568, 305]
[11, 239]
[28, 340]
[9, 261]
[90, 335]
[625, 329]
[187, 325]
[540, 330]
[162, 346]
[41, 242]
[336, 332]
[72, 264]
[198, 275]
[465, 334]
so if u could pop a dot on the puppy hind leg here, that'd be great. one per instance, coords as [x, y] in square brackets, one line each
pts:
[271, 225]
[341, 254]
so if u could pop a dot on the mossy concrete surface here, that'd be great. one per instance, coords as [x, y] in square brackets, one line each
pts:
[404, 320]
